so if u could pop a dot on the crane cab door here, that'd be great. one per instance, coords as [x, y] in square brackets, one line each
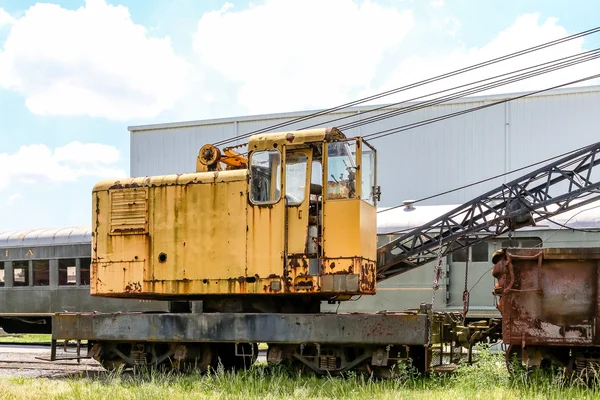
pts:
[298, 200]
[265, 231]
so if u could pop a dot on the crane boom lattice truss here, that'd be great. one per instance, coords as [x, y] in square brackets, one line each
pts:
[560, 186]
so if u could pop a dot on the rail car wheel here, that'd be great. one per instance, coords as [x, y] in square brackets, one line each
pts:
[112, 364]
[514, 362]
[196, 357]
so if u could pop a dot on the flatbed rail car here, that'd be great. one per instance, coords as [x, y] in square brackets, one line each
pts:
[45, 271]
[263, 240]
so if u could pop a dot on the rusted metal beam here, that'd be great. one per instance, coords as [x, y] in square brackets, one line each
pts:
[408, 328]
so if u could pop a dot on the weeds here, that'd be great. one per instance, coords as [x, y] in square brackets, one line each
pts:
[487, 379]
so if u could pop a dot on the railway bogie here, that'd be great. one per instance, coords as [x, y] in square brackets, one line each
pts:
[326, 344]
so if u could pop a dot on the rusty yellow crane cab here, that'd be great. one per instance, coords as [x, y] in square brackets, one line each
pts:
[295, 217]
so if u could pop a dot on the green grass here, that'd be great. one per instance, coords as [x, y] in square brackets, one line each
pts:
[29, 338]
[486, 380]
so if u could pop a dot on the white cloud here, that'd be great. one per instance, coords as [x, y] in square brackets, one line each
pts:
[91, 61]
[286, 55]
[12, 199]
[437, 3]
[38, 163]
[5, 18]
[525, 32]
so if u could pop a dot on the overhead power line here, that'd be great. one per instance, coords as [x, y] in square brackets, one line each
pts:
[378, 135]
[412, 85]
[509, 77]
[403, 128]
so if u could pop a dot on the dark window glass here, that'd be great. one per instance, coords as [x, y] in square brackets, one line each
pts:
[459, 255]
[1, 274]
[67, 270]
[41, 273]
[479, 252]
[20, 273]
[526, 243]
[84, 271]
[530, 243]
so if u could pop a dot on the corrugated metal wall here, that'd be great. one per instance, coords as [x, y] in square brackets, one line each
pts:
[418, 162]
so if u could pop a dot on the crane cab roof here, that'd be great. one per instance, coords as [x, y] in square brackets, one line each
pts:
[269, 141]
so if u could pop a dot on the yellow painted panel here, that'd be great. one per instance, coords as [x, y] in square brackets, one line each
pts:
[265, 240]
[198, 231]
[368, 231]
[341, 228]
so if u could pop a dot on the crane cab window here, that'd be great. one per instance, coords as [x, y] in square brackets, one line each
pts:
[341, 169]
[368, 174]
[265, 174]
[295, 177]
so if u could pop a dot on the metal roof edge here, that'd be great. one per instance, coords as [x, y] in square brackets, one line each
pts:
[275, 116]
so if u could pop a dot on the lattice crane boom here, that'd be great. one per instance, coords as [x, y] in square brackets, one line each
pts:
[560, 186]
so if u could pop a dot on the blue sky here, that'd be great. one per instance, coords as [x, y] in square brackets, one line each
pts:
[74, 74]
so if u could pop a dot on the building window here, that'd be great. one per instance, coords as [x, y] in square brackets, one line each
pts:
[479, 253]
[84, 271]
[1, 274]
[67, 272]
[20, 273]
[41, 273]
[527, 243]
[265, 170]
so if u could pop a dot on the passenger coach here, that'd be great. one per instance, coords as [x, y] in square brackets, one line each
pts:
[44, 271]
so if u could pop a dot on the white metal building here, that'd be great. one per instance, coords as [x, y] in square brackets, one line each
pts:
[418, 162]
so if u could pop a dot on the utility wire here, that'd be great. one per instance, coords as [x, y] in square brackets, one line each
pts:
[485, 180]
[413, 85]
[562, 63]
[554, 66]
[378, 135]
[393, 131]
[542, 68]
